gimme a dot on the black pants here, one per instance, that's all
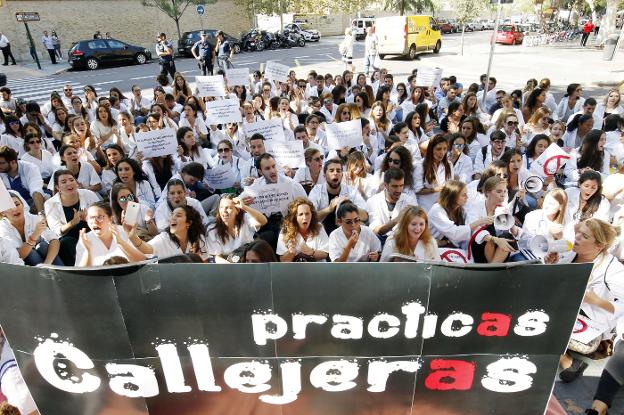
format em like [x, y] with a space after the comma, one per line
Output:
[584, 39]
[205, 66]
[168, 67]
[6, 53]
[52, 53]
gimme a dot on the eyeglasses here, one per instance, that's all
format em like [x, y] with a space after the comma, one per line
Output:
[352, 221]
[328, 101]
[98, 218]
[14, 122]
[394, 161]
[458, 145]
[498, 141]
[124, 199]
[266, 90]
[34, 142]
[224, 150]
[510, 123]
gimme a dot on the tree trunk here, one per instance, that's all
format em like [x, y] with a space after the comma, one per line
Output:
[461, 48]
[177, 22]
[402, 9]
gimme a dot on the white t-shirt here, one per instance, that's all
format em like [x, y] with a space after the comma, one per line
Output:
[99, 252]
[164, 247]
[420, 252]
[319, 242]
[245, 235]
[367, 242]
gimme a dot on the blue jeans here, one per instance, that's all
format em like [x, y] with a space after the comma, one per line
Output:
[369, 61]
[38, 254]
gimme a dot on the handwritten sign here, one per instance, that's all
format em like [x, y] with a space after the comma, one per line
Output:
[6, 201]
[157, 143]
[237, 76]
[270, 129]
[551, 160]
[210, 86]
[223, 111]
[344, 134]
[220, 177]
[270, 198]
[428, 77]
[287, 154]
[276, 71]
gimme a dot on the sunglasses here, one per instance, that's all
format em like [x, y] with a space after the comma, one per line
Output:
[395, 161]
[351, 221]
[318, 159]
[346, 113]
[14, 122]
[124, 199]
[512, 123]
[328, 101]
[458, 145]
[68, 89]
[224, 150]
[34, 142]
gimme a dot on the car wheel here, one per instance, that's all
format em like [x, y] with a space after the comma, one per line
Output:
[260, 46]
[411, 54]
[237, 48]
[140, 58]
[301, 42]
[93, 63]
[438, 46]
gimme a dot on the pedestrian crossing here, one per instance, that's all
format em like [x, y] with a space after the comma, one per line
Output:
[38, 89]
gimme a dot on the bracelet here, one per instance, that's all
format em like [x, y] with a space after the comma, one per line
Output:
[32, 245]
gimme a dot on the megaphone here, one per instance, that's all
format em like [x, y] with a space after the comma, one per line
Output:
[503, 219]
[533, 184]
[540, 246]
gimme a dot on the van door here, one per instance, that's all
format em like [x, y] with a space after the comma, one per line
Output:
[391, 38]
[417, 33]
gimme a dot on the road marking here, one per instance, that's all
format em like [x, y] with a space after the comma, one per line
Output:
[108, 82]
[142, 77]
[331, 57]
[297, 62]
[304, 56]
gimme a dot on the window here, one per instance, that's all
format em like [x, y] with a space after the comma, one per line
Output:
[115, 44]
[97, 44]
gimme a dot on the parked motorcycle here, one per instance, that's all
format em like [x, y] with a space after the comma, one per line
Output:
[297, 39]
[252, 41]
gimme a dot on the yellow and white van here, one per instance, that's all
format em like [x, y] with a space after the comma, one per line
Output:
[407, 35]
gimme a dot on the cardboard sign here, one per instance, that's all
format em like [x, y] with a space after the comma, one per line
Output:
[551, 160]
[210, 86]
[455, 256]
[157, 143]
[237, 76]
[416, 338]
[276, 71]
[427, 77]
[270, 198]
[344, 134]
[223, 111]
[288, 153]
[6, 200]
[220, 177]
[270, 129]
[586, 330]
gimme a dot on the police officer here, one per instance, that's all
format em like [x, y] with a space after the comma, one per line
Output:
[203, 54]
[164, 50]
[224, 52]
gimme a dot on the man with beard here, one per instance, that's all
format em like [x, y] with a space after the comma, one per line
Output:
[329, 195]
[386, 207]
[23, 177]
[248, 171]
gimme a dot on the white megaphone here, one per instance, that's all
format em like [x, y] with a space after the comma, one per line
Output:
[533, 184]
[540, 246]
[503, 219]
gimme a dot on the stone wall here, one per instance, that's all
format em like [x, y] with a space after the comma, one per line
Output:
[127, 20]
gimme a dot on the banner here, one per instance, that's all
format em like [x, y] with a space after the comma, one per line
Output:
[288, 153]
[210, 86]
[6, 201]
[427, 77]
[270, 129]
[223, 111]
[157, 142]
[276, 71]
[286, 338]
[237, 76]
[344, 134]
[551, 160]
[220, 177]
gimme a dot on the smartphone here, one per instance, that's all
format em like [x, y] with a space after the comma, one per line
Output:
[132, 213]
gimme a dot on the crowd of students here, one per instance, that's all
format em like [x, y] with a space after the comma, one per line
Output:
[435, 167]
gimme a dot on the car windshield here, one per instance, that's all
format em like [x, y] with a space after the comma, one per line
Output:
[506, 28]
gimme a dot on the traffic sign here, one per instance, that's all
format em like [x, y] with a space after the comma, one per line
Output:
[200, 9]
[27, 16]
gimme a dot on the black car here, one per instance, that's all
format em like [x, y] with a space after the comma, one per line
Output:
[188, 39]
[93, 53]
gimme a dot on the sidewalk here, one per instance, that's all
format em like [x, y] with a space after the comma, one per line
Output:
[30, 70]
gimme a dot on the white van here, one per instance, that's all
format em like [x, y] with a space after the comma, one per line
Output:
[359, 26]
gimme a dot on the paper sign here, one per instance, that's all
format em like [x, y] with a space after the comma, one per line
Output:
[210, 86]
[6, 201]
[288, 153]
[428, 77]
[157, 143]
[344, 134]
[220, 177]
[270, 129]
[454, 255]
[550, 161]
[276, 71]
[222, 111]
[270, 198]
[237, 76]
[586, 330]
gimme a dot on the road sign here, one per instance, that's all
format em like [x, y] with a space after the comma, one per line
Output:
[200, 9]
[27, 16]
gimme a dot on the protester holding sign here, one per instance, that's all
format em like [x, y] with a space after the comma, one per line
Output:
[227, 159]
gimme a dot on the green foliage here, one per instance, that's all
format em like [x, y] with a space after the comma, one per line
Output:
[174, 8]
[403, 6]
[466, 10]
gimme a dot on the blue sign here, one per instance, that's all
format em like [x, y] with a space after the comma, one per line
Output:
[200, 9]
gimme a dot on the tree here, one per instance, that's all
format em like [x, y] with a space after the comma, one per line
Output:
[402, 6]
[466, 10]
[174, 8]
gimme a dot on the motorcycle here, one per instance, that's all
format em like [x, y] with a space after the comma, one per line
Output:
[251, 41]
[283, 40]
[294, 38]
[269, 39]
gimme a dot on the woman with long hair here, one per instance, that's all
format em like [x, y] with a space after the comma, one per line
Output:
[577, 129]
[126, 133]
[195, 122]
[449, 217]
[586, 201]
[60, 127]
[235, 225]
[535, 100]
[434, 172]
[39, 156]
[412, 237]
[539, 123]
[416, 96]
[536, 148]
[84, 173]
[130, 173]
[104, 128]
[289, 120]
[114, 154]
[509, 123]
[381, 125]
[357, 175]
[473, 132]
[181, 89]
[159, 170]
[77, 109]
[312, 174]
[610, 105]
[519, 198]
[120, 195]
[303, 237]
[470, 105]
[226, 158]
[591, 156]
[188, 150]
[13, 136]
[614, 130]
[507, 106]
[83, 154]
[363, 104]
[571, 103]
[415, 126]
[451, 123]
[459, 158]
[87, 140]
[259, 252]
[397, 157]
[343, 113]
[557, 130]
[551, 221]
[175, 195]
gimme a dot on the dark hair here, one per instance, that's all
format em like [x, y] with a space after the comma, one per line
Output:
[118, 187]
[453, 106]
[406, 163]
[531, 101]
[393, 174]
[408, 121]
[102, 204]
[258, 136]
[299, 129]
[139, 174]
[195, 232]
[398, 127]
[590, 156]
[489, 172]
[261, 248]
[365, 102]
[260, 158]
[577, 121]
[118, 91]
[8, 154]
[451, 138]
[593, 203]
[613, 122]
[380, 92]
[59, 173]
[498, 135]
[194, 169]
[62, 151]
[345, 208]
[530, 151]
[331, 161]
[570, 89]
[180, 137]
[590, 101]
[429, 171]
[13, 119]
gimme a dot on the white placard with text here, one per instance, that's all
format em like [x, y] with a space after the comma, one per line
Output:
[157, 143]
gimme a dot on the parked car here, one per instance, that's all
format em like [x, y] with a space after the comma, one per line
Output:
[476, 25]
[310, 35]
[510, 34]
[489, 24]
[359, 27]
[93, 53]
[188, 39]
[445, 26]
[455, 24]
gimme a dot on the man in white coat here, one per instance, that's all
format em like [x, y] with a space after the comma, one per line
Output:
[385, 207]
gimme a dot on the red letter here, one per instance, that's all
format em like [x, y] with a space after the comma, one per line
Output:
[450, 375]
[494, 324]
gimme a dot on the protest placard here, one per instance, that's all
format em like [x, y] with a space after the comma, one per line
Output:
[223, 111]
[344, 134]
[270, 198]
[6, 201]
[210, 86]
[551, 160]
[157, 142]
[270, 129]
[237, 76]
[220, 177]
[428, 77]
[276, 71]
[287, 153]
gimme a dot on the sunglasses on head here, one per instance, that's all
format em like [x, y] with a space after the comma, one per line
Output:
[328, 101]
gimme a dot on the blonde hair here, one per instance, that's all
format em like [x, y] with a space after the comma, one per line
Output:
[401, 240]
[502, 117]
[538, 115]
[604, 233]
[562, 197]
[348, 31]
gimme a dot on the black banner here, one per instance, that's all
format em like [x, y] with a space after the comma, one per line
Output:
[300, 339]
